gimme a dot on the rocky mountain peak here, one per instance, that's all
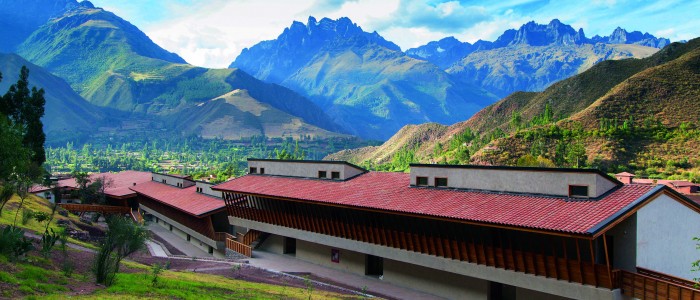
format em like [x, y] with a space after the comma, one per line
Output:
[555, 32]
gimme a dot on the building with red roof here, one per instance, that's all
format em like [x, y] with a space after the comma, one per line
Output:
[474, 232]
[116, 186]
[682, 186]
[188, 208]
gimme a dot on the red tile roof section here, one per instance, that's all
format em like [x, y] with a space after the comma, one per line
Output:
[391, 192]
[186, 200]
[119, 183]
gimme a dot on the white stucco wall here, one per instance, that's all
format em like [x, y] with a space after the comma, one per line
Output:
[206, 189]
[665, 231]
[304, 169]
[172, 180]
[517, 181]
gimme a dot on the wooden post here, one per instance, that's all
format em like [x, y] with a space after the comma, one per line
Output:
[595, 274]
[607, 260]
[580, 263]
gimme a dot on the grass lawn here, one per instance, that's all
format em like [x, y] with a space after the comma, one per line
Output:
[36, 204]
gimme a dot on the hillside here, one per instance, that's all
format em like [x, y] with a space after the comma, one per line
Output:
[237, 115]
[637, 114]
[112, 64]
[18, 19]
[534, 56]
[67, 114]
[364, 82]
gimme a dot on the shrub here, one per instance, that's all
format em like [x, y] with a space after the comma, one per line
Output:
[26, 216]
[123, 238]
[13, 243]
[40, 216]
[48, 241]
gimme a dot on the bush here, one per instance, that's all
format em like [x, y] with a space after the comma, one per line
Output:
[40, 216]
[26, 216]
[48, 241]
[123, 238]
[13, 243]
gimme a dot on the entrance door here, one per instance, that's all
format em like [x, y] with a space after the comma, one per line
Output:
[290, 246]
[374, 265]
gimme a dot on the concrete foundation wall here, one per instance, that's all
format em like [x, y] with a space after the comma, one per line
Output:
[273, 244]
[526, 294]
[665, 231]
[350, 261]
[440, 283]
[182, 231]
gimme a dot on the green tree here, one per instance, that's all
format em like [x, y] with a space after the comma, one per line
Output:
[25, 108]
[123, 238]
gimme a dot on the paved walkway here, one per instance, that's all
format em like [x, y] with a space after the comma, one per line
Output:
[155, 249]
[285, 263]
[178, 242]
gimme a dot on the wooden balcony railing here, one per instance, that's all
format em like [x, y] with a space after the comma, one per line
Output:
[104, 209]
[642, 286]
[239, 247]
[136, 215]
[222, 236]
[249, 237]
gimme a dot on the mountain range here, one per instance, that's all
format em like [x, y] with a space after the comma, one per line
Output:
[388, 88]
[534, 56]
[633, 114]
[114, 66]
[364, 82]
[323, 78]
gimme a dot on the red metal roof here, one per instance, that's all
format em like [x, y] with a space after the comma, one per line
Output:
[118, 184]
[391, 192]
[184, 199]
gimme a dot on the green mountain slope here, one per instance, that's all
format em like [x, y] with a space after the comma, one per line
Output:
[18, 19]
[67, 114]
[111, 63]
[533, 68]
[237, 115]
[364, 82]
[639, 115]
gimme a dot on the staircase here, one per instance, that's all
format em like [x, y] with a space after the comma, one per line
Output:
[245, 243]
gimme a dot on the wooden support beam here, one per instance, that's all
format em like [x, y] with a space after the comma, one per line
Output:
[607, 260]
[595, 274]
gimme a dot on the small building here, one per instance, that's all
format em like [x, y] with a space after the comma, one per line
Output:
[474, 232]
[116, 187]
[188, 208]
[682, 186]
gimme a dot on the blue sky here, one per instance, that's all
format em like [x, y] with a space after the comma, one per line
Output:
[212, 33]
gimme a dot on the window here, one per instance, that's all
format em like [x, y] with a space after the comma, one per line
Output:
[321, 174]
[578, 191]
[440, 182]
[335, 175]
[421, 181]
[253, 170]
[262, 170]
